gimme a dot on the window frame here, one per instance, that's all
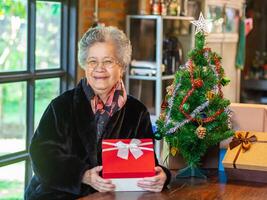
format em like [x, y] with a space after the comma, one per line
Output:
[67, 71]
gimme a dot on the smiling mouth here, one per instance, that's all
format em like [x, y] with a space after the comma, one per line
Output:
[100, 78]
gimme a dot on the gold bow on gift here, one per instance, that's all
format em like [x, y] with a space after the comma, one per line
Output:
[245, 142]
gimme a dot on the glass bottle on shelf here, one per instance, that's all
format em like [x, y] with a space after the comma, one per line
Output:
[174, 8]
[156, 7]
[163, 8]
[144, 7]
[184, 5]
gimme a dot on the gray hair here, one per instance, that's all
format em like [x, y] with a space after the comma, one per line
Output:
[105, 34]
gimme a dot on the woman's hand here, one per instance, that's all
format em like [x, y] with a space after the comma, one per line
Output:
[91, 177]
[155, 183]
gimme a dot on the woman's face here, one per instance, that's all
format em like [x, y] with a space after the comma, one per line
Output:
[103, 70]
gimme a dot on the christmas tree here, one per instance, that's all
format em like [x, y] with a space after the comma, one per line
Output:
[195, 115]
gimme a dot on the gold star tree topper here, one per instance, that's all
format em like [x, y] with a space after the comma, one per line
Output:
[201, 24]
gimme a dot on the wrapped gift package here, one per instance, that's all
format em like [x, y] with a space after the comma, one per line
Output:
[249, 117]
[125, 161]
[246, 157]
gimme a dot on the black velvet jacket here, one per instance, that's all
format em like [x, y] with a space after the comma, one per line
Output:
[65, 145]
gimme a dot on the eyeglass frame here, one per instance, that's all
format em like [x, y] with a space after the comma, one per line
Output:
[103, 65]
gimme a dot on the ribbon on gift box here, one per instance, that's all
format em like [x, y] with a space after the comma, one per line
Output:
[245, 142]
[135, 147]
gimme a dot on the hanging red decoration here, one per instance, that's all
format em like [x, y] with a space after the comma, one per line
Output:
[164, 105]
[197, 84]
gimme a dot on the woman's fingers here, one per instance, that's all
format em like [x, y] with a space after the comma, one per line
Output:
[103, 185]
[98, 169]
[106, 187]
[152, 179]
[93, 179]
[101, 180]
[152, 188]
[149, 183]
[158, 169]
[106, 183]
[154, 183]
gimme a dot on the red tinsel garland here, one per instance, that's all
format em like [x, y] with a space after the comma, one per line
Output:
[218, 67]
[193, 84]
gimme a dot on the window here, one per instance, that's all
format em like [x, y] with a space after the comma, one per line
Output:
[37, 63]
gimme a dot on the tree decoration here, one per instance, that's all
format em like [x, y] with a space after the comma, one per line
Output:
[198, 83]
[210, 95]
[225, 81]
[186, 107]
[201, 24]
[162, 116]
[164, 105]
[196, 115]
[174, 151]
[201, 132]
[158, 136]
[170, 89]
[229, 120]
[205, 69]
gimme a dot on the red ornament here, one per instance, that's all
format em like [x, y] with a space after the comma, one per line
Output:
[198, 83]
[164, 105]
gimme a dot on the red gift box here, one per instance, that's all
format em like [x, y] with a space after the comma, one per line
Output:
[127, 160]
[130, 167]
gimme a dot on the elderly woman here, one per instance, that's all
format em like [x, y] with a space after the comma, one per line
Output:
[66, 148]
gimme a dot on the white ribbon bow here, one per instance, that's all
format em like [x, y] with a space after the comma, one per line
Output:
[135, 147]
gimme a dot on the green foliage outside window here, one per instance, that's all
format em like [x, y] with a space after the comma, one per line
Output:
[13, 58]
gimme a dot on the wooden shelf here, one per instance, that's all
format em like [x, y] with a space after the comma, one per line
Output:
[163, 17]
[151, 78]
[253, 84]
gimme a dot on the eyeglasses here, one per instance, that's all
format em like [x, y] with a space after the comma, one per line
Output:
[106, 63]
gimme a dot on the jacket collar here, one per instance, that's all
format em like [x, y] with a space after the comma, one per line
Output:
[84, 119]
[87, 89]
